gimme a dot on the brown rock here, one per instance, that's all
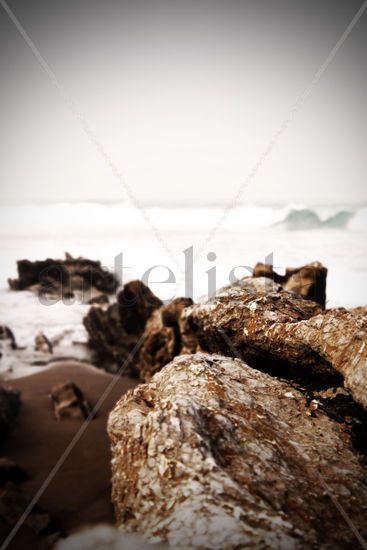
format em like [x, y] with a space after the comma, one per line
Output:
[69, 401]
[62, 277]
[360, 310]
[9, 409]
[212, 454]
[309, 281]
[114, 333]
[42, 343]
[162, 338]
[282, 333]
[98, 299]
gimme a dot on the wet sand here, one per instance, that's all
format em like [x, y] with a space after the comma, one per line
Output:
[79, 494]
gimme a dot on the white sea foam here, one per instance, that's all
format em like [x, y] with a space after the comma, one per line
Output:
[100, 231]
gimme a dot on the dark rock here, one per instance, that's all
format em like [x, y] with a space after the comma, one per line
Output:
[9, 409]
[99, 299]
[6, 335]
[114, 333]
[309, 281]
[136, 303]
[62, 278]
[13, 502]
[213, 454]
[11, 472]
[162, 338]
[69, 401]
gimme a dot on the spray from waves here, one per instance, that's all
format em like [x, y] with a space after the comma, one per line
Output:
[102, 220]
[309, 219]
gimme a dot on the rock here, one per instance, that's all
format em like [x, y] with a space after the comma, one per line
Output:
[6, 335]
[62, 278]
[137, 302]
[338, 337]
[213, 454]
[162, 338]
[266, 270]
[105, 536]
[9, 409]
[11, 472]
[13, 502]
[42, 343]
[114, 333]
[360, 310]
[284, 334]
[98, 299]
[309, 281]
[69, 401]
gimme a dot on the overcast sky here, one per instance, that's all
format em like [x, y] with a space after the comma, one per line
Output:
[184, 96]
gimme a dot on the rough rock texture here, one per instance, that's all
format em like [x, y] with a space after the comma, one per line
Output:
[69, 401]
[162, 338]
[115, 332]
[213, 454]
[309, 281]
[63, 277]
[9, 409]
[360, 310]
[280, 332]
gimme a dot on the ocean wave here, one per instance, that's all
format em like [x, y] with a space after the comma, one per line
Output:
[108, 220]
[309, 219]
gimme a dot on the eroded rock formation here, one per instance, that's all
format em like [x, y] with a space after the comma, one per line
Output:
[162, 338]
[213, 454]
[62, 278]
[280, 332]
[114, 333]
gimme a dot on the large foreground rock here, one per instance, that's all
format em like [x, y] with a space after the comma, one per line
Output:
[280, 332]
[213, 454]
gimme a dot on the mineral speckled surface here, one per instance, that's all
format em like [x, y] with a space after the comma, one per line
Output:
[213, 454]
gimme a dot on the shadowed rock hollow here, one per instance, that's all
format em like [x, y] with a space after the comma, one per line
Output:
[280, 332]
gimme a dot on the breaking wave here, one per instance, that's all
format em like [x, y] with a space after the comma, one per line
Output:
[102, 220]
[309, 219]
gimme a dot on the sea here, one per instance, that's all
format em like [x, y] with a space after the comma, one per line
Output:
[177, 250]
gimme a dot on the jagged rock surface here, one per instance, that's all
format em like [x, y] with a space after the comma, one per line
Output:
[309, 281]
[213, 454]
[162, 338]
[115, 332]
[9, 409]
[280, 332]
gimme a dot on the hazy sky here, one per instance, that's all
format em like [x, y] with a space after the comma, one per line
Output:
[183, 95]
